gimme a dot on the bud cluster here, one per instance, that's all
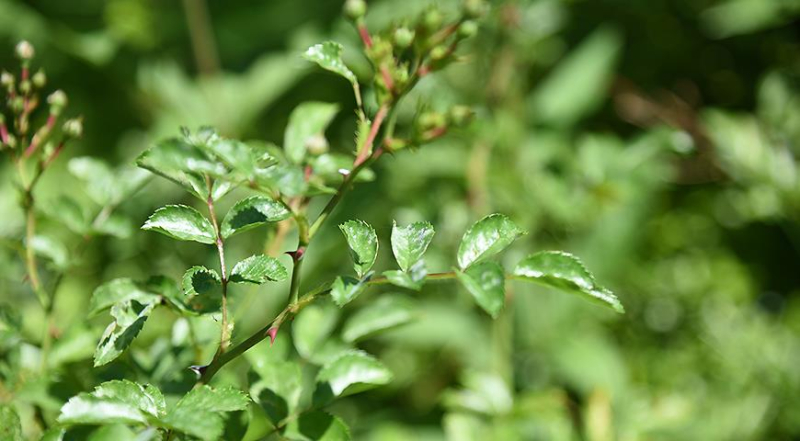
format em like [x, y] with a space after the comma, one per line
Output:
[19, 108]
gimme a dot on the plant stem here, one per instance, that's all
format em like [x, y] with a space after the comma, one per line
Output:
[225, 333]
[202, 36]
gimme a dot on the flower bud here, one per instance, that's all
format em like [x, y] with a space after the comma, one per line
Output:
[439, 53]
[17, 104]
[403, 37]
[25, 50]
[355, 9]
[432, 20]
[25, 87]
[39, 79]
[474, 8]
[48, 149]
[12, 141]
[467, 29]
[73, 128]
[57, 101]
[431, 120]
[460, 115]
[6, 79]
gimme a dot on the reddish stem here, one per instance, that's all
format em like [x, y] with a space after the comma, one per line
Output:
[4, 133]
[373, 132]
[40, 135]
[364, 33]
[387, 79]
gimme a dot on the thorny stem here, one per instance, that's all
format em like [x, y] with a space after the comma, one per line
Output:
[225, 333]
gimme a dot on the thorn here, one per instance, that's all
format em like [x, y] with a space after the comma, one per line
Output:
[297, 254]
[199, 370]
[272, 332]
[344, 171]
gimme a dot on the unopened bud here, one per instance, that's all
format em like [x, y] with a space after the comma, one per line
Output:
[39, 79]
[467, 29]
[355, 9]
[403, 37]
[6, 79]
[432, 20]
[25, 50]
[17, 104]
[439, 53]
[48, 149]
[430, 120]
[25, 87]
[380, 50]
[460, 115]
[57, 101]
[12, 141]
[73, 128]
[474, 8]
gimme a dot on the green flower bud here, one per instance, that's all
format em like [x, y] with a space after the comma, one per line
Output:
[48, 149]
[6, 79]
[403, 37]
[439, 53]
[12, 141]
[57, 101]
[25, 87]
[73, 128]
[468, 29]
[431, 120]
[39, 79]
[432, 20]
[355, 9]
[460, 115]
[24, 50]
[474, 8]
[17, 104]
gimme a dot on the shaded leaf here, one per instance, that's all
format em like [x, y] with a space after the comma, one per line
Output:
[487, 237]
[409, 243]
[485, 281]
[203, 289]
[10, 426]
[317, 426]
[388, 312]
[353, 372]
[567, 273]
[181, 163]
[199, 412]
[312, 326]
[129, 318]
[69, 213]
[412, 279]
[346, 289]
[51, 249]
[307, 121]
[119, 290]
[252, 212]
[328, 55]
[258, 269]
[182, 223]
[278, 389]
[363, 243]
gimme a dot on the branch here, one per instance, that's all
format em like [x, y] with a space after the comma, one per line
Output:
[225, 333]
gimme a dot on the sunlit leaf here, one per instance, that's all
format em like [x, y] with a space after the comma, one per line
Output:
[203, 289]
[182, 223]
[487, 237]
[388, 312]
[353, 372]
[363, 243]
[200, 412]
[252, 212]
[258, 269]
[409, 243]
[306, 121]
[129, 318]
[485, 281]
[117, 401]
[345, 289]
[328, 55]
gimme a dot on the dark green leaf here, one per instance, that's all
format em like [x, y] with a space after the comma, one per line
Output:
[363, 243]
[387, 312]
[114, 402]
[486, 238]
[252, 212]
[308, 120]
[346, 289]
[203, 290]
[182, 223]
[353, 372]
[485, 281]
[199, 412]
[317, 426]
[258, 269]
[566, 272]
[129, 318]
[410, 242]
[10, 426]
[328, 55]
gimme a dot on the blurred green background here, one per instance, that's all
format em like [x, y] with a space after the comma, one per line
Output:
[657, 140]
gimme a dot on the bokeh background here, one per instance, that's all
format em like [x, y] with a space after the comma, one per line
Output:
[657, 140]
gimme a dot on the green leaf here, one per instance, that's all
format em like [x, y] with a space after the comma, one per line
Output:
[199, 412]
[235, 154]
[278, 389]
[10, 426]
[288, 179]
[252, 212]
[312, 327]
[353, 372]
[68, 212]
[317, 426]
[363, 243]
[487, 237]
[307, 121]
[409, 243]
[104, 185]
[119, 290]
[52, 249]
[203, 290]
[258, 269]
[345, 289]
[485, 281]
[129, 317]
[181, 163]
[182, 223]
[565, 272]
[114, 225]
[328, 55]
[388, 312]
[117, 401]
[412, 279]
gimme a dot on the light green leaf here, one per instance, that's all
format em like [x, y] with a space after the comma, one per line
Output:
[487, 237]
[328, 55]
[252, 212]
[345, 289]
[258, 269]
[114, 402]
[363, 243]
[288, 179]
[182, 223]
[114, 225]
[10, 426]
[312, 327]
[51, 249]
[485, 281]
[113, 432]
[317, 426]
[119, 290]
[235, 154]
[409, 243]
[278, 389]
[68, 212]
[353, 372]
[199, 413]
[181, 163]
[306, 121]
[566, 272]
[129, 317]
[203, 290]
[390, 311]
[104, 185]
